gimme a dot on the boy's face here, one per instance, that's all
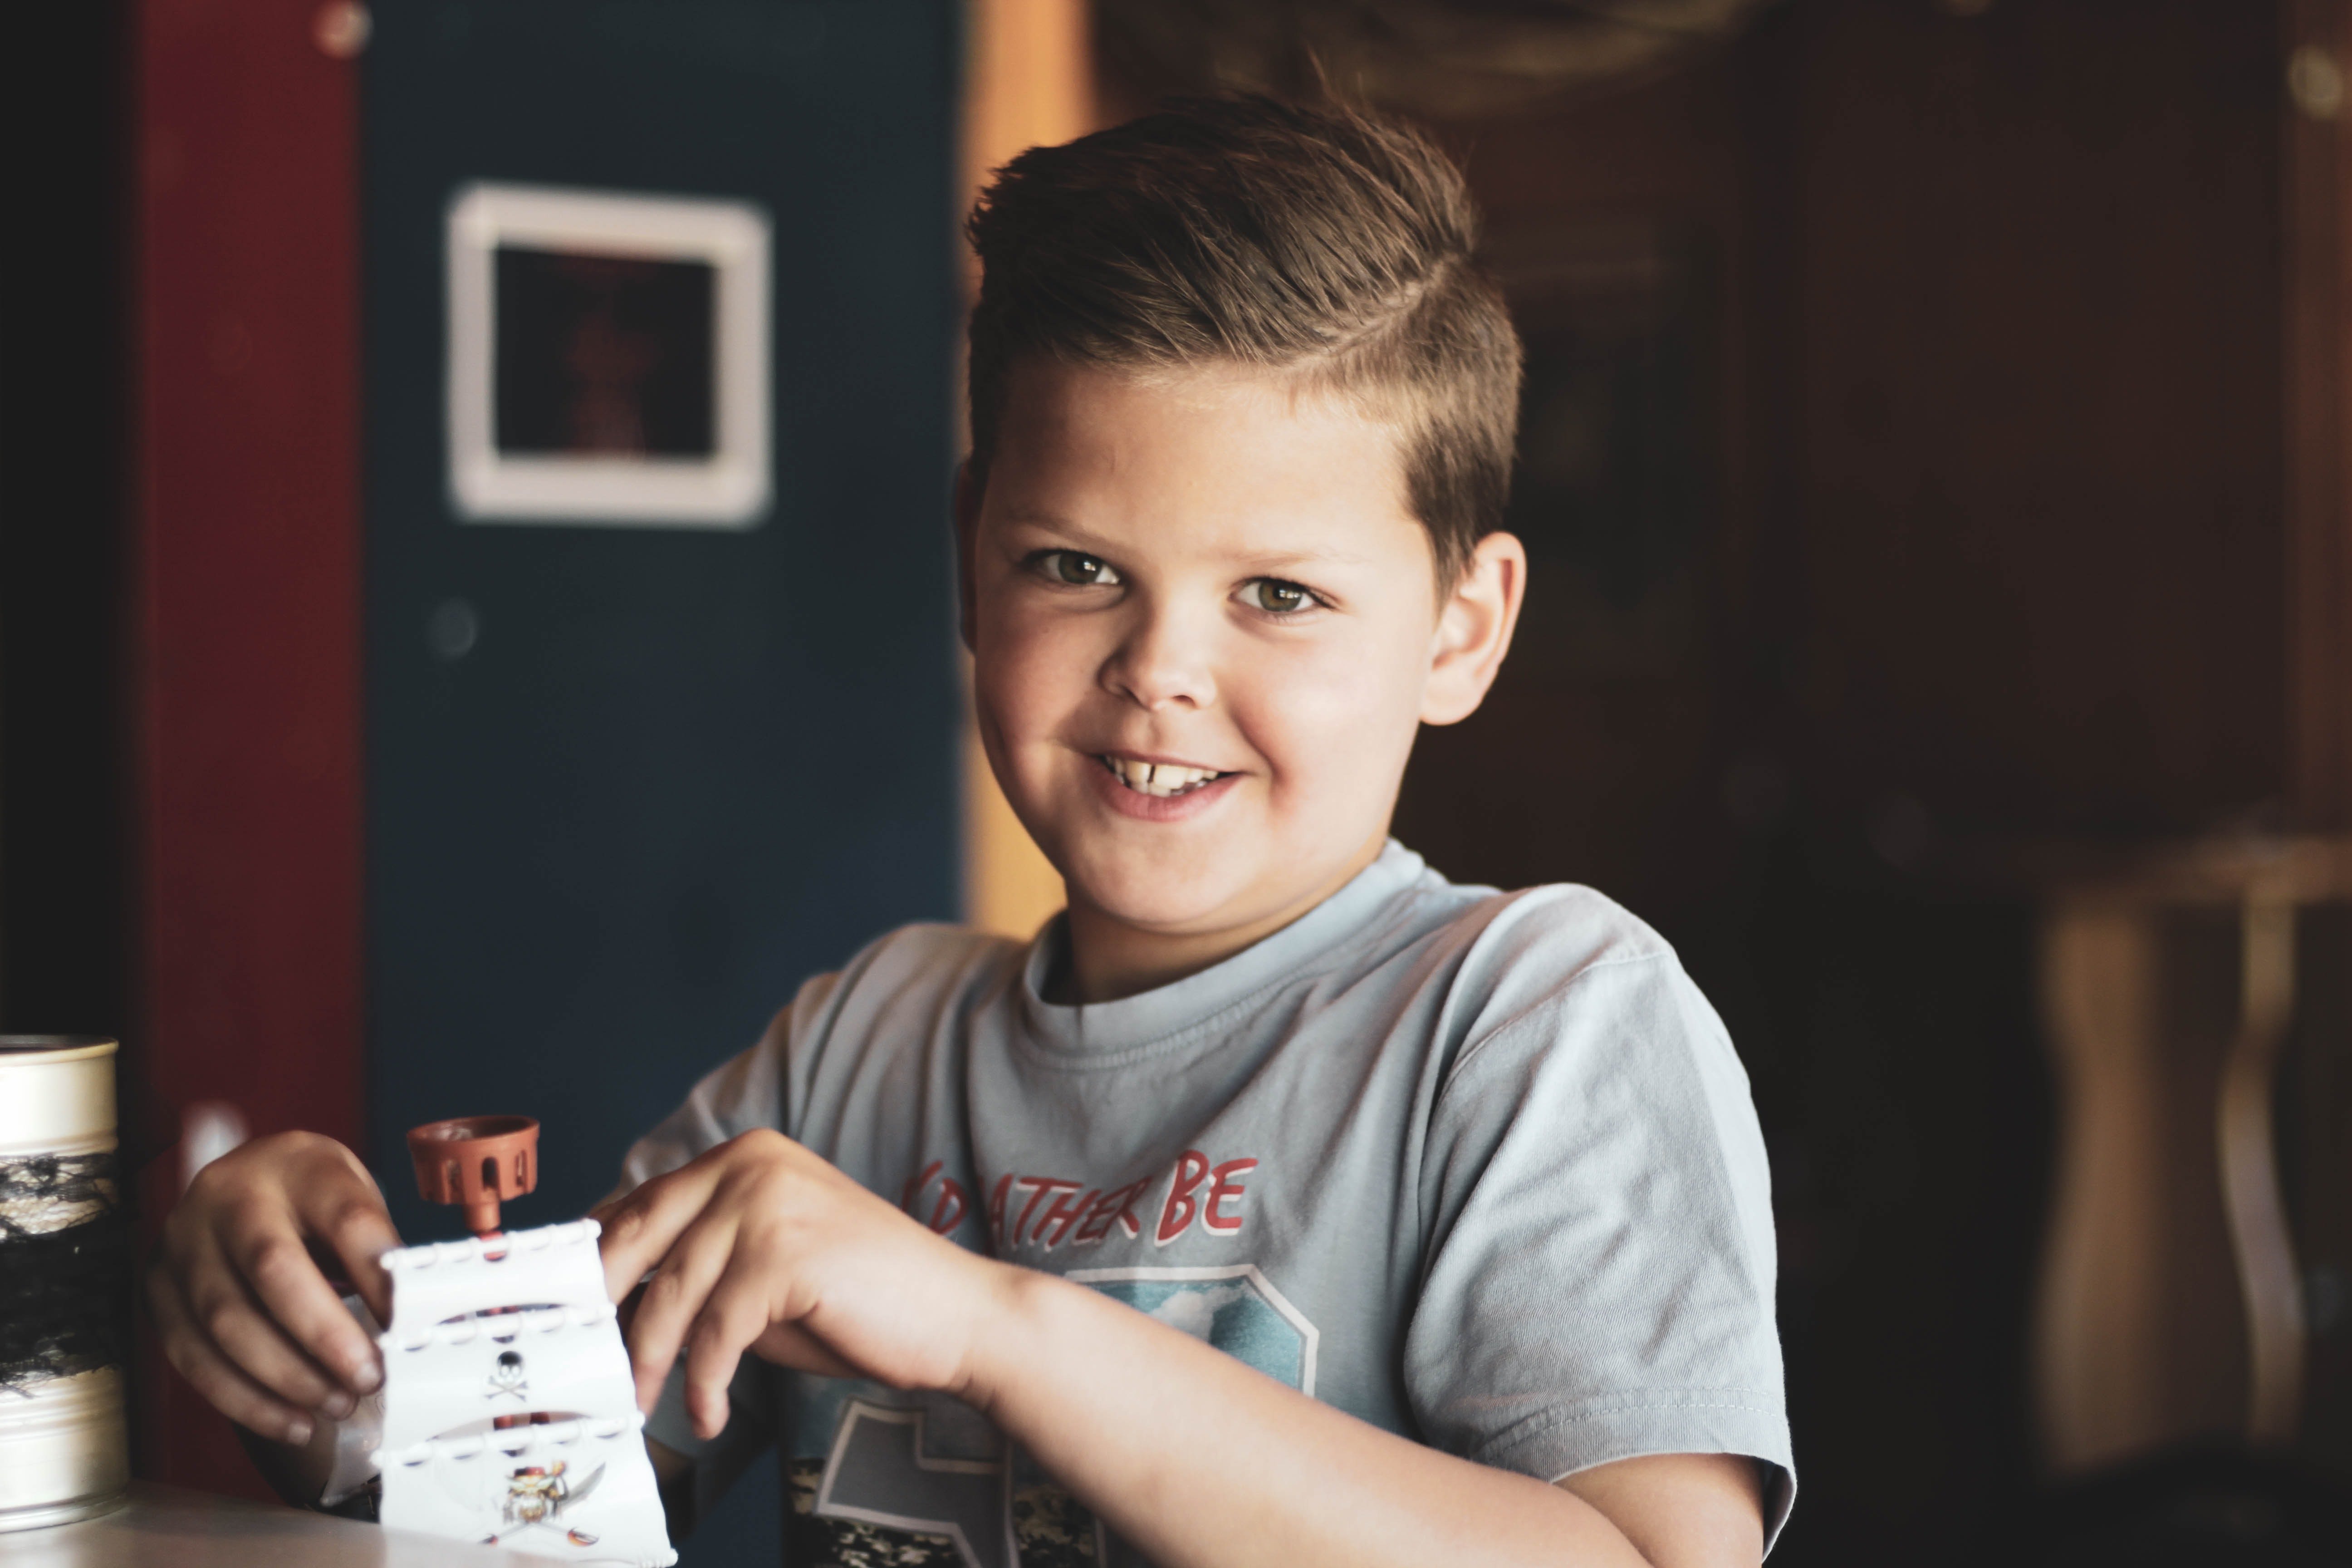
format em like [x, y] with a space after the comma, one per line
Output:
[1206, 576]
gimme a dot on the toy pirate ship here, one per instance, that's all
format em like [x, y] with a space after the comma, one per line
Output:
[509, 1413]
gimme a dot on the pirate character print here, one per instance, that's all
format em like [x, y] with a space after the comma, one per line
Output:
[537, 1495]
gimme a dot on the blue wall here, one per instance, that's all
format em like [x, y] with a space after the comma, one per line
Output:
[677, 770]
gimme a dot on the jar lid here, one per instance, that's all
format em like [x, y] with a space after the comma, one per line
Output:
[57, 1093]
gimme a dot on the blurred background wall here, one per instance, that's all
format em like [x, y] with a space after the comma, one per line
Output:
[1933, 471]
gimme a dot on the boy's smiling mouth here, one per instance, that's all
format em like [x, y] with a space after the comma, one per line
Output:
[1160, 780]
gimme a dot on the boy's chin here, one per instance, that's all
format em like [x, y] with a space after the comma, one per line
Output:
[1174, 899]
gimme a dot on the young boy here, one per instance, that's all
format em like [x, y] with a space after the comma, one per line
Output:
[1281, 1202]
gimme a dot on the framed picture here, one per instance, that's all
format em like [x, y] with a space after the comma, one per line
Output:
[608, 358]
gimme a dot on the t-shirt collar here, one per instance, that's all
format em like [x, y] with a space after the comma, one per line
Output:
[1166, 1012]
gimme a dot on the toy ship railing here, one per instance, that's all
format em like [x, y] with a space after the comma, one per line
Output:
[529, 1321]
[404, 1260]
[561, 1439]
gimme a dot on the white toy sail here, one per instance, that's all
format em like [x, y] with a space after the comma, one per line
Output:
[517, 1327]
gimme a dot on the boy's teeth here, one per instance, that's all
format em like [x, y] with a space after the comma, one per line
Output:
[1159, 778]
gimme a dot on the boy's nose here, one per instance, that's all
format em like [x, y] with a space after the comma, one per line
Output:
[1163, 664]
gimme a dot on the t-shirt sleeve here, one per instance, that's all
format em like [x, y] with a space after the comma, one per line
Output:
[1598, 1259]
[743, 1093]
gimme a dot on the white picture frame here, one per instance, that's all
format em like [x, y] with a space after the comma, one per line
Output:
[730, 489]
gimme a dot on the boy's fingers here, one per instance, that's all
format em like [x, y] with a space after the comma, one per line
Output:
[241, 1330]
[639, 1229]
[299, 1304]
[673, 1299]
[735, 1315]
[351, 1219]
[228, 1390]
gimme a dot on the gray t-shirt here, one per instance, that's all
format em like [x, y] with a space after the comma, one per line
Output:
[1479, 1168]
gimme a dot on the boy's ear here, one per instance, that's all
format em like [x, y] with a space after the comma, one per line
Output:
[967, 520]
[1474, 629]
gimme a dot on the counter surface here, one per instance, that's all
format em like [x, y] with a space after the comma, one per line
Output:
[165, 1527]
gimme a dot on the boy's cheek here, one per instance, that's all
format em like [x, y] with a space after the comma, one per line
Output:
[1030, 675]
[1349, 705]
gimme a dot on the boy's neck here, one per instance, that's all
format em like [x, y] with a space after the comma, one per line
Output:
[1109, 959]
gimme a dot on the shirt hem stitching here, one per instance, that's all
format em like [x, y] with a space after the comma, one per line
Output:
[1535, 1017]
[1535, 1426]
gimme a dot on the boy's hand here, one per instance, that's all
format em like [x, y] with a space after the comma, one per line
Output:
[247, 1314]
[763, 1245]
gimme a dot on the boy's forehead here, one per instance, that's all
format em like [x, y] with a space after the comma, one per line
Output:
[1241, 456]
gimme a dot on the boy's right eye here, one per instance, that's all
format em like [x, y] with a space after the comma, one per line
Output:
[1079, 571]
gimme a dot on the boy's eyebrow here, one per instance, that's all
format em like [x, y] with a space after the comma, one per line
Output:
[1309, 558]
[1052, 525]
[1270, 561]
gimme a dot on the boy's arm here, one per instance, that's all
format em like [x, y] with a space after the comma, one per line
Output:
[1197, 1459]
[1191, 1455]
[1681, 1509]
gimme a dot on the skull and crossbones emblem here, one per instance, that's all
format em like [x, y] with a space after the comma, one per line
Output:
[505, 1377]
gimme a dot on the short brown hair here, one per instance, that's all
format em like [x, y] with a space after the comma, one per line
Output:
[1321, 241]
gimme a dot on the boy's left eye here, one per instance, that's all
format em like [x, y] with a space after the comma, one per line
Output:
[1077, 569]
[1277, 596]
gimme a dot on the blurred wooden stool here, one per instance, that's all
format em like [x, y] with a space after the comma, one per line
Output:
[2169, 1306]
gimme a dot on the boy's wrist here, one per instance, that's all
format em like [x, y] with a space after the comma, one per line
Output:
[1016, 1304]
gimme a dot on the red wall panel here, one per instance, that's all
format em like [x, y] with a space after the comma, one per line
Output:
[245, 594]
